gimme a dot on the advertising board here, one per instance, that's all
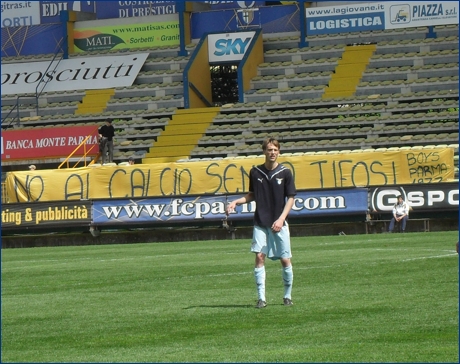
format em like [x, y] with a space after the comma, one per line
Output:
[82, 73]
[45, 215]
[212, 208]
[48, 142]
[131, 36]
[422, 197]
[20, 13]
[361, 16]
[227, 47]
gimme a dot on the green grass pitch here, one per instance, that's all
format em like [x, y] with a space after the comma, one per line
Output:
[360, 298]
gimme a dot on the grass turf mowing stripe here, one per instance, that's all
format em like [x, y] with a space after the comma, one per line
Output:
[360, 298]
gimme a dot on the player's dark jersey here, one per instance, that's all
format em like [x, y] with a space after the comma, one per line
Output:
[270, 190]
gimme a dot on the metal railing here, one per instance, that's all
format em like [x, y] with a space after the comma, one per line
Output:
[4, 193]
[200, 95]
[38, 92]
[83, 157]
[42, 79]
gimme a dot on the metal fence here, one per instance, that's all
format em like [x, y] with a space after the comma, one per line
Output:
[4, 194]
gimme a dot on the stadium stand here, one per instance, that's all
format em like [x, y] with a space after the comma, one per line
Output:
[406, 97]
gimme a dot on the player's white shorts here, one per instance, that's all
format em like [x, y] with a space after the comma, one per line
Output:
[273, 245]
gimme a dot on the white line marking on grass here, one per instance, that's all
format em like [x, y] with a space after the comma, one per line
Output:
[418, 249]
[431, 257]
[336, 243]
[228, 274]
[393, 249]
[452, 253]
[76, 260]
[322, 266]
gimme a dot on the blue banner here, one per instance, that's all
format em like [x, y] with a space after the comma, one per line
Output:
[345, 23]
[330, 202]
[212, 208]
[272, 19]
[34, 39]
[50, 10]
[160, 210]
[133, 9]
[217, 5]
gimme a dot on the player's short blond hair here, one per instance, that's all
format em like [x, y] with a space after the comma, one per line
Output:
[270, 140]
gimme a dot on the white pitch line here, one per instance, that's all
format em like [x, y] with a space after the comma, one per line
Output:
[76, 260]
[66, 261]
[431, 257]
[228, 274]
[332, 266]
[421, 249]
[321, 266]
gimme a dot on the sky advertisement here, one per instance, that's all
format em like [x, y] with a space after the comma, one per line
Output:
[226, 47]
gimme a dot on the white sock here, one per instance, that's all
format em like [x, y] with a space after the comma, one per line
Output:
[288, 277]
[259, 275]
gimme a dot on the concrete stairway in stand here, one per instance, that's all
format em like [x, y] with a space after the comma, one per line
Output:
[181, 135]
[349, 71]
[95, 101]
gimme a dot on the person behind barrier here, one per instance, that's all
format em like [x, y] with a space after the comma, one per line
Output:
[400, 214]
[106, 139]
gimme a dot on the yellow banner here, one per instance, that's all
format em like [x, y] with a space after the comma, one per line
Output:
[127, 36]
[230, 175]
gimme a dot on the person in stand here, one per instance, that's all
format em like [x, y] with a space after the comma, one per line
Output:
[106, 137]
[131, 161]
[372, 216]
[400, 214]
[271, 186]
[32, 167]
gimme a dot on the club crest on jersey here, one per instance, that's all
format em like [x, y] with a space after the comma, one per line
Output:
[279, 180]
